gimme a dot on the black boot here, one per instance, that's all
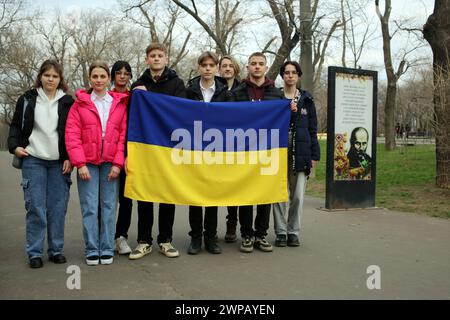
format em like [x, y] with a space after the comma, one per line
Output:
[195, 246]
[211, 245]
[230, 235]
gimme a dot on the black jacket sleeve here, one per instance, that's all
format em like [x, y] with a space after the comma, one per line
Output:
[15, 128]
[312, 128]
[180, 89]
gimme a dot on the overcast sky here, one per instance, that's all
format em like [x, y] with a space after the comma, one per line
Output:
[419, 10]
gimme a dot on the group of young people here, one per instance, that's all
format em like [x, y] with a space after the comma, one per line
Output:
[53, 133]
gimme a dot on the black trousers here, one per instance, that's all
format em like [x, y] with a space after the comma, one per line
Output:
[166, 218]
[261, 221]
[196, 222]
[232, 215]
[125, 207]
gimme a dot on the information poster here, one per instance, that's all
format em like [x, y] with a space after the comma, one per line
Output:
[353, 127]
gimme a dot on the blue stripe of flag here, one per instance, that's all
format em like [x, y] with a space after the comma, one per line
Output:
[154, 117]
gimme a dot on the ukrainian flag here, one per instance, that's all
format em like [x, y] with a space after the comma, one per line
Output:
[206, 154]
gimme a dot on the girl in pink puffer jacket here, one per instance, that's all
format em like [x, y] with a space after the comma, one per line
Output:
[95, 141]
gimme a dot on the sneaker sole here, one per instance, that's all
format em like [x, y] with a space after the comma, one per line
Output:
[124, 252]
[294, 245]
[263, 249]
[138, 257]
[170, 255]
[246, 250]
[92, 262]
[106, 261]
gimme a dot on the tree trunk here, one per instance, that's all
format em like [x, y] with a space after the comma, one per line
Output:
[389, 116]
[389, 106]
[437, 32]
[306, 45]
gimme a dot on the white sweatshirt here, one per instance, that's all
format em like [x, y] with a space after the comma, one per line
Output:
[44, 137]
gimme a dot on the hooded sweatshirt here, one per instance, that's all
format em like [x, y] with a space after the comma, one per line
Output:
[44, 137]
[256, 92]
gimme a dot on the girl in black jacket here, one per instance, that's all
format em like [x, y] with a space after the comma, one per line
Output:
[36, 135]
[304, 153]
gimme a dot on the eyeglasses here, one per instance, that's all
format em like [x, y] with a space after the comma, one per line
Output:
[290, 72]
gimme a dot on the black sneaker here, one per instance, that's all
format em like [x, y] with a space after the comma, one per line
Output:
[212, 246]
[58, 258]
[263, 245]
[36, 263]
[281, 240]
[247, 244]
[195, 246]
[230, 235]
[292, 240]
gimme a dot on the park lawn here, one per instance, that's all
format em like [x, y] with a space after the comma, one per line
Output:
[405, 180]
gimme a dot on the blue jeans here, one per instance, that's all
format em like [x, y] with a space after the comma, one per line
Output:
[46, 194]
[98, 243]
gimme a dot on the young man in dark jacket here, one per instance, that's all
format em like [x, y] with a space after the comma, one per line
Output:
[160, 79]
[208, 88]
[256, 87]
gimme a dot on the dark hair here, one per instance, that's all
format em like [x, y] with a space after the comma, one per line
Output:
[208, 55]
[47, 65]
[293, 63]
[117, 66]
[353, 134]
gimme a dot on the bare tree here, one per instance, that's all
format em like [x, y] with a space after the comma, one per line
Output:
[392, 75]
[146, 13]
[320, 49]
[56, 36]
[437, 32]
[223, 28]
[290, 31]
[93, 38]
[306, 52]
[18, 67]
[358, 34]
[11, 13]
[19, 56]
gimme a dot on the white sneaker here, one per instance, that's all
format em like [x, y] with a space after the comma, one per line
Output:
[122, 246]
[141, 250]
[168, 250]
[106, 259]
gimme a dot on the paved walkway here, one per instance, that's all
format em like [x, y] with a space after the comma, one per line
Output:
[412, 252]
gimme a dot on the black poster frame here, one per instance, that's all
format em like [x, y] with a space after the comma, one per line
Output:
[345, 194]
